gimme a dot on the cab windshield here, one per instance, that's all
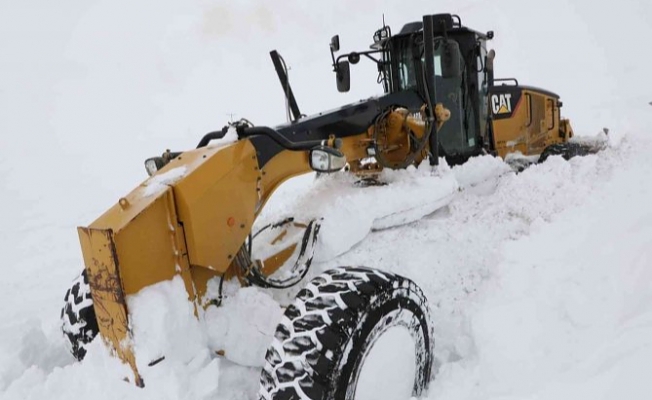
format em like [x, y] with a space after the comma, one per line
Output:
[408, 71]
[454, 135]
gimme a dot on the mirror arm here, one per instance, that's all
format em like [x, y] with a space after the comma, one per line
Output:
[334, 46]
[371, 58]
[362, 53]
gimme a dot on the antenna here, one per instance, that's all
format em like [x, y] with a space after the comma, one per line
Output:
[384, 20]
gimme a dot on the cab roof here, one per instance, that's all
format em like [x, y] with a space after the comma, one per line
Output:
[455, 26]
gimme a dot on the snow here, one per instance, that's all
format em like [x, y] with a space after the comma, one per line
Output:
[406, 197]
[244, 325]
[231, 136]
[574, 295]
[160, 182]
[394, 347]
[164, 325]
[539, 282]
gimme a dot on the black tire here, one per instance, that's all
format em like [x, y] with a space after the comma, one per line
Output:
[566, 150]
[78, 321]
[323, 338]
[519, 164]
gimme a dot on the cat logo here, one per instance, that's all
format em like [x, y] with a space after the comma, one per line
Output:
[501, 103]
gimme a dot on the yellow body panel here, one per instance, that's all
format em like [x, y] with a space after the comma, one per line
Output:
[279, 169]
[216, 202]
[534, 124]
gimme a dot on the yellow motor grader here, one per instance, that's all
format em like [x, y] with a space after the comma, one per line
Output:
[193, 218]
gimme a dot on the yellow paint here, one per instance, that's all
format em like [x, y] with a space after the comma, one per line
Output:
[534, 125]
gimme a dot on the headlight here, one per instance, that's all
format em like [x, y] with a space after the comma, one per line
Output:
[153, 164]
[326, 159]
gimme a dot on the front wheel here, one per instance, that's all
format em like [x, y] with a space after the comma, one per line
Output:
[78, 321]
[352, 333]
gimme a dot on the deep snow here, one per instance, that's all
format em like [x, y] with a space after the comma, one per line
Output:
[567, 311]
[540, 282]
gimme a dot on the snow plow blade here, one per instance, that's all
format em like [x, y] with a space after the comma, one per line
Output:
[167, 227]
[108, 296]
[133, 245]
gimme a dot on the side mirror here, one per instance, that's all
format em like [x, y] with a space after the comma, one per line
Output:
[450, 60]
[326, 159]
[343, 76]
[335, 43]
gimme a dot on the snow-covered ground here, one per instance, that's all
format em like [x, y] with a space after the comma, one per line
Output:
[540, 283]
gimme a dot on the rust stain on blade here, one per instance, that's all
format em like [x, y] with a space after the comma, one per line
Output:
[102, 267]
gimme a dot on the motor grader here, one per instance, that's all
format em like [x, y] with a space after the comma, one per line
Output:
[193, 218]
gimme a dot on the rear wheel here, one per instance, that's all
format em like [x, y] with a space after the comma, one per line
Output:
[567, 150]
[78, 321]
[352, 333]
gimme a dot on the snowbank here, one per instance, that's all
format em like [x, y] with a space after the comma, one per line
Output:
[567, 314]
[539, 281]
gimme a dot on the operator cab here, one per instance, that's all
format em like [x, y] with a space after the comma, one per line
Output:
[464, 93]
[461, 88]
